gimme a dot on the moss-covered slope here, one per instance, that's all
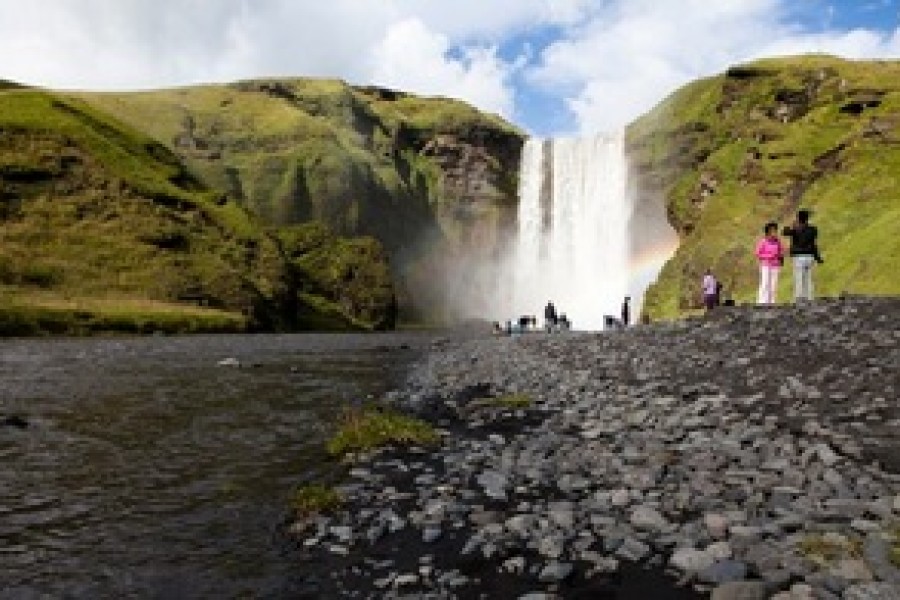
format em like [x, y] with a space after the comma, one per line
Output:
[427, 177]
[104, 228]
[756, 143]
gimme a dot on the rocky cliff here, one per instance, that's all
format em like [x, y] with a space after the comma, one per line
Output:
[729, 153]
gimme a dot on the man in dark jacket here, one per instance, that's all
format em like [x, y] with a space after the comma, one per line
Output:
[803, 251]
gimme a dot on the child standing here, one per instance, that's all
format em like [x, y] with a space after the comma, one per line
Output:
[710, 289]
[770, 253]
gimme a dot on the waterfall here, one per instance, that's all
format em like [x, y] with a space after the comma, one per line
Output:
[574, 243]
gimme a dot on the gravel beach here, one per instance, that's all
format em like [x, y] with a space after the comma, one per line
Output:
[750, 453]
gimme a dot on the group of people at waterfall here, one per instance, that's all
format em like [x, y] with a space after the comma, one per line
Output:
[553, 321]
[770, 252]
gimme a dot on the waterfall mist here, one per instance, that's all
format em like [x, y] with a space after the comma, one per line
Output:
[584, 237]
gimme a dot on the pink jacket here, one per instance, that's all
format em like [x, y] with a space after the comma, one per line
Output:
[769, 252]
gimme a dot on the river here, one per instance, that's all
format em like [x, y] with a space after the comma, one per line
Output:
[149, 471]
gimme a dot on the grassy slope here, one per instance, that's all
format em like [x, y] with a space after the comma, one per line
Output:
[103, 228]
[364, 161]
[299, 149]
[734, 151]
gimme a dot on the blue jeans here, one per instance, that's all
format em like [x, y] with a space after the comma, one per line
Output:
[803, 285]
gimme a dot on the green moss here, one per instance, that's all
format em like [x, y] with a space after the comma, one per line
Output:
[827, 548]
[366, 429]
[315, 499]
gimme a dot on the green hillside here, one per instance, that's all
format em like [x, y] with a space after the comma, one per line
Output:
[758, 142]
[103, 228]
[428, 177]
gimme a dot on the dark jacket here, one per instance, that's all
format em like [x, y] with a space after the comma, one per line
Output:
[803, 240]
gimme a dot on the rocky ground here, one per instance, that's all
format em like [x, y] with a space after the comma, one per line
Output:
[752, 453]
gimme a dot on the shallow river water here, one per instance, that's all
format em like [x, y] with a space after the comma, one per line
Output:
[148, 471]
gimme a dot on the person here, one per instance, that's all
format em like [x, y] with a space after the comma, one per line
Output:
[709, 286]
[803, 250]
[626, 311]
[550, 317]
[564, 323]
[497, 330]
[770, 253]
[524, 321]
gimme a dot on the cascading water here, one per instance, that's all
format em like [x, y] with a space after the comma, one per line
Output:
[574, 243]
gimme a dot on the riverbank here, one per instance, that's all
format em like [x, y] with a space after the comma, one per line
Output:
[749, 453]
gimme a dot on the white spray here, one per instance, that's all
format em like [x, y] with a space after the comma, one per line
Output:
[573, 229]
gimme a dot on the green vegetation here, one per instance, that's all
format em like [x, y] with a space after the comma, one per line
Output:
[894, 556]
[826, 548]
[731, 152]
[102, 228]
[315, 499]
[370, 428]
[344, 276]
[364, 161]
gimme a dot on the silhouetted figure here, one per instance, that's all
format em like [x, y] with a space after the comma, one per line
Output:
[564, 322]
[626, 311]
[550, 318]
[803, 250]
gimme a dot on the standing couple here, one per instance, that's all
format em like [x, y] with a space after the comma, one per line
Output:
[803, 250]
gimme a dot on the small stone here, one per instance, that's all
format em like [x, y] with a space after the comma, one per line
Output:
[740, 590]
[691, 560]
[647, 518]
[872, 591]
[407, 579]
[514, 565]
[716, 525]
[555, 571]
[723, 571]
[431, 534]
[620, 498]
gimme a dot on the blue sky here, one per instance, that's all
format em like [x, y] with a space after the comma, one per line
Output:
[555, 67]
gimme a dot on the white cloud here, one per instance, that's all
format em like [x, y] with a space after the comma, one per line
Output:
[610, 59]
[412, 57]
[624, 59]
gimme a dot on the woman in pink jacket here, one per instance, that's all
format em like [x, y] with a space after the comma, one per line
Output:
[770, 253]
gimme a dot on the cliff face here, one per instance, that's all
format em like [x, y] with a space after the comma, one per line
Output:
[432, 179]
[729, 153]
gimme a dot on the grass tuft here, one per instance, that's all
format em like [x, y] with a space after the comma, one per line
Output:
[315, 499]
[365, 429]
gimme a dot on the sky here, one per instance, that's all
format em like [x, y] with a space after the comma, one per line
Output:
[554, 67]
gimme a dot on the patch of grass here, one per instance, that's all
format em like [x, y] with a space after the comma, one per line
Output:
[826, 548]
[49, 316]
[894, 552]
[362, 430]
[315, 499]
